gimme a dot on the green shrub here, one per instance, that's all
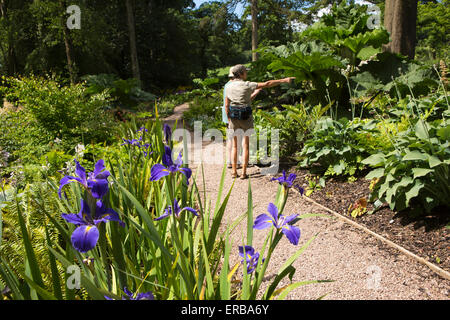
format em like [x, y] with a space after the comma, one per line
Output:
[416, 173]
[66, 112]
[338, 147]
[206, 109]
[22, 137]
[294, 122]
[126, 93]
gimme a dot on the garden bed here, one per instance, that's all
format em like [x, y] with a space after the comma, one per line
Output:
[426, 236]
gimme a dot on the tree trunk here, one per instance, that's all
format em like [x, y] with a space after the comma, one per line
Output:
[132, 37]
[68, 44]
[400, 21]
[9, 53]
[254, 10]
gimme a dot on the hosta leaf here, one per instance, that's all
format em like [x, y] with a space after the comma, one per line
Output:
[377, 173]
[414, 191]
[390, 178]
[444, 133]
[405, 181]
[433, 161]
[374, 160]
[339, 168]
[420, 172]
[383, 189]
[415, 155]
[421, 130]
[390, 192]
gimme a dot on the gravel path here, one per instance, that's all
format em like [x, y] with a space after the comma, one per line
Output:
[351, 258]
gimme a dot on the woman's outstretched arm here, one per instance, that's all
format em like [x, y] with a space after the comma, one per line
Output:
[273, 83]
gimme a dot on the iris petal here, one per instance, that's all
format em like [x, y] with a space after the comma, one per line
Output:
[179, 161]
[263, 221]
[248, 250]
[176, 207]
[292, 233]
[167, 156]
[192, 210]
[67, 180]
[158, 171]
[80, 172]
[85, 238]
[76, 219]
[99, 187]
[289, 219]
[100, 171]
[273, 210]
[103, 214]
[166, 213]
[187, 172]
[167, 132]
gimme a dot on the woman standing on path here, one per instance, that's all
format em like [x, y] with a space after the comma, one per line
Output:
[229, 144]
[238, 96]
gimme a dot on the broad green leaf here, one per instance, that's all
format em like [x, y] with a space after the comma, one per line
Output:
[377, 173]
[383, 189]
[420, 172]
[414, 191]
[433, 161]
[374, 160]
[405, 181]
[444, 133]
[421, 130]
[414, 155]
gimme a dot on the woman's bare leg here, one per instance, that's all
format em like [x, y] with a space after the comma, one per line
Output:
[234, 156]
[229, 150]
[246, 142]
[240, 147]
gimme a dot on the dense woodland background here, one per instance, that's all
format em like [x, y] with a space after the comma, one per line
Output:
[167, 43]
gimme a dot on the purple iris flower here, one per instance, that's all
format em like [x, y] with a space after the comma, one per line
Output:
[85, 236]
[142, 129]
[250, 257]
[159, 171]
[264, 221]
[137, 143]
[167, 132]
[289, 181]
[147, 153]
[133, 142]
[139, 296]
[96, 181]
[175, 210]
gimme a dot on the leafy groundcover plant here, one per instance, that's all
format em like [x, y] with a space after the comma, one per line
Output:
[416, 173]
[142, 230]
[337, 147]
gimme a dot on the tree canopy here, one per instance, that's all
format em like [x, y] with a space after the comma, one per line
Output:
[175, 41]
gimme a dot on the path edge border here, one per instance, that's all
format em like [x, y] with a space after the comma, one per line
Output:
[441, 272]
